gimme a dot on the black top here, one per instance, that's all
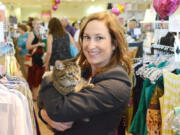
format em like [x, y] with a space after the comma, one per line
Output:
[60, 49]
[36, 40]
[103, 105]
[37, 56]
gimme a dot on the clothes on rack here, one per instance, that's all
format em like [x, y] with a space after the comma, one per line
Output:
[149, 117]
[170, 99]
[16, 104]
[17, 84]
[153, 118]
[6, 48]
[14, 113]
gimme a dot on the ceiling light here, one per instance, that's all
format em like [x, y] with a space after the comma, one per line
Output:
[93, 9]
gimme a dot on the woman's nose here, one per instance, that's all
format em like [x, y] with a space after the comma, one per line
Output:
[91, 44]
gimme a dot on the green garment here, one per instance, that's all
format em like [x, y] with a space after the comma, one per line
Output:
[138, 125]
[177, 109]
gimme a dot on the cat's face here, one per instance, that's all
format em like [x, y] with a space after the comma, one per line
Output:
[68, 73]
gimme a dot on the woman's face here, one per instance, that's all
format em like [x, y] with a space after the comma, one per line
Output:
[19, 30]
[97, 45]
[37, 25]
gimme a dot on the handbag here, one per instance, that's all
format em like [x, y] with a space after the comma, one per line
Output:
[28, 59]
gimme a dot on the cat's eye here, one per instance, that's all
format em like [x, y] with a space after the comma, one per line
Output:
[70, 73]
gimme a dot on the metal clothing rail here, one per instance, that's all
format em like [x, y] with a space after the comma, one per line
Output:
[163, 48]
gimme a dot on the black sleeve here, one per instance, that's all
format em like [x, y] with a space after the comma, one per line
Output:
[106, 96]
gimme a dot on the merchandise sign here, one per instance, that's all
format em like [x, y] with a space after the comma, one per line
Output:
[46, 15]
[174, 23]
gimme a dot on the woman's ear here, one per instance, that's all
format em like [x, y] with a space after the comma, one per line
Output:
[59, 65]
[113, 47]
[114, 44]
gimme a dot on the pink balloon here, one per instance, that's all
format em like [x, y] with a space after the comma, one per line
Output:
[165, 7]
[57, 1]
[54, 7]
[115, 11]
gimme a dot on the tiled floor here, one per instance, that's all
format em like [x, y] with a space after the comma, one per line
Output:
[43, 128]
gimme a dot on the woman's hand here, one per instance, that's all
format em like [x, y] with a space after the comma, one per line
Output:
[46, 67]
[41, 44]
[60, 126]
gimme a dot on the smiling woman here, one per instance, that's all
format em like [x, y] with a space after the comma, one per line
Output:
[104, 62]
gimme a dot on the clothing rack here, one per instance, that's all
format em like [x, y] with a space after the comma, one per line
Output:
[153, 73]
[162, 48]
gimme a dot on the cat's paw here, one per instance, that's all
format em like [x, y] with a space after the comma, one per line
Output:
[48, 73]
[90, 85]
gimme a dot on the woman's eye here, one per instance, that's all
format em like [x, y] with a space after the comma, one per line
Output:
[86, 37]
[99, 38]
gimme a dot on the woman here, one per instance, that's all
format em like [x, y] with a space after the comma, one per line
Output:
[35, 47]
[104, 54]
[58, 43]
[21, 47]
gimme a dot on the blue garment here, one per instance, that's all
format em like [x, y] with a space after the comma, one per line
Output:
[22, 40]
[132, 33]
[73, 51]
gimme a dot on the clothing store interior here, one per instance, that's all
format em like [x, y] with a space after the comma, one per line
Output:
[89, 67]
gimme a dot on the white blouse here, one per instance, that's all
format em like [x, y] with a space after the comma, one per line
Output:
[14, 113]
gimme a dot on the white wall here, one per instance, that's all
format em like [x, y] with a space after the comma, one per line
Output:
[72, 11]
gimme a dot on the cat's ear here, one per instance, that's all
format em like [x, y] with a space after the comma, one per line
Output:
[59, 65]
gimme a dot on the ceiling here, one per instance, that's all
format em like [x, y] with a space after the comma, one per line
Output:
[48, 3]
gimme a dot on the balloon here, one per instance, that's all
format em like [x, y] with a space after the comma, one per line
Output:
[55, 7]
[53, 2]
[115, 11]
[165, 7]
[57, 1]
[121, 8]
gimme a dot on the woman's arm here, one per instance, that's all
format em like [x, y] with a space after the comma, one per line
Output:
[49, 51]
[29, 45]
[73, 47]
[72, 42]
[107, 95]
